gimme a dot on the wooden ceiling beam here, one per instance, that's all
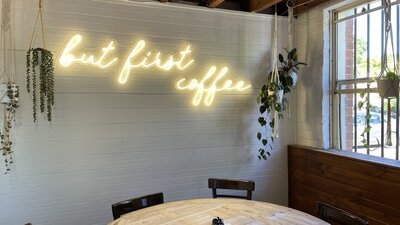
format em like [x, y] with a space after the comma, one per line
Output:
[259, 5]
[214, 3]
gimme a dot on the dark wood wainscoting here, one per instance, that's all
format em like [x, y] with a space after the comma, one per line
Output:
[364, 185]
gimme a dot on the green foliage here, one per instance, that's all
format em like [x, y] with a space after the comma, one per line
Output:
[40, 60]
[9, 119]
[391, 76]
[269, 99]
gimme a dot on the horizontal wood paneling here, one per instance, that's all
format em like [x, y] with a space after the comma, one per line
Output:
[358, 184]
[108, 143]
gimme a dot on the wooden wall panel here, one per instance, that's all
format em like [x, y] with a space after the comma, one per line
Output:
[364, 185]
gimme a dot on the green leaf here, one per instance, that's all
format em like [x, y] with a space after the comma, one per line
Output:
[264, 141]
[360, 104]
[264, 157]
[262, 109]
[280, 58]
[291, 54]
[259, 136]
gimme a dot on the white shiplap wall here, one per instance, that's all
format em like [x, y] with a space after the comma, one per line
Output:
[109, 143]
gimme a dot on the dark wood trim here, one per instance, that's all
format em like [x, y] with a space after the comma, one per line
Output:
[259, 5]
[214, 3]
[365, 185]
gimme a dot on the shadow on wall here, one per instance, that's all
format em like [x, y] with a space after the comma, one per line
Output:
[310, 91]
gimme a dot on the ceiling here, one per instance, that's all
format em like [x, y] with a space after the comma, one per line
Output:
[258, 6]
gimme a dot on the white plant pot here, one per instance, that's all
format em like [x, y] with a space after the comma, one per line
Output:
[279, 96]
[294, 77]
[3, 94]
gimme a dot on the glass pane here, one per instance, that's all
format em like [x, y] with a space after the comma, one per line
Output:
[345, 50]
[361, 8]
[361, 46]
[375, 46]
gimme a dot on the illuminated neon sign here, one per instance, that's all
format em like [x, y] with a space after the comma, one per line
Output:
[204, 89]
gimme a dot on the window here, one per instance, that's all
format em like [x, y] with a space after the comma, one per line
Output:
[358, 45]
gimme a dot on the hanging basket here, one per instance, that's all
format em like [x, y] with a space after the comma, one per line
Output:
[388, 88]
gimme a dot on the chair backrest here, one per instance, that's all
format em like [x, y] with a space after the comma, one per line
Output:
[335, 215]
[131, 205]
[247, 185]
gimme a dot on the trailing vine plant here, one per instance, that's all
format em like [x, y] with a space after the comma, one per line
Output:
[272, 99]
[9, 97]
[11, 104]
[40, 73]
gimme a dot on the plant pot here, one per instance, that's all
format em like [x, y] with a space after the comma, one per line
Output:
[388, 88]
[294, 77]
[279, 96]
[277, 93]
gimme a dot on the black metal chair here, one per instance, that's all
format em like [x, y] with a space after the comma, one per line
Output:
[134, 204]
[335, 215]
[247, 185]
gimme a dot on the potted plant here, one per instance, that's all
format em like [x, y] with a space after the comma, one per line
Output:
[272, 101]
[388, 85]
[40, 72]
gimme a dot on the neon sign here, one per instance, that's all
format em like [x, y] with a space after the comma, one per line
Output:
[204, 89]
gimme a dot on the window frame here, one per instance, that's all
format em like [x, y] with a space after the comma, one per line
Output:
[336, 92]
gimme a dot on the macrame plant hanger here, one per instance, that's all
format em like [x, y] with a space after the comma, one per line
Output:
[388, 34]
[9, 89]
[40, 64]
[290, 6]
[275, 74]
[39, 19]
[8, 70]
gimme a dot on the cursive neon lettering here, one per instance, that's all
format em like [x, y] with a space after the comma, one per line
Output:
[204, 89]
[168, 64]
[208, 93]
[67, 58]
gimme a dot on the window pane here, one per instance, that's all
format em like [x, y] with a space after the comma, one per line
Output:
[359, 54]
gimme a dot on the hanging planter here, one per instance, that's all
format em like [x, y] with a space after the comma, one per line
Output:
[40, 73]
[271, 100]
[293, 75]
[9, 90]
[388, 87]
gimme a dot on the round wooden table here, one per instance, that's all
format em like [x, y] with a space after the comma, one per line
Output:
[232, 211]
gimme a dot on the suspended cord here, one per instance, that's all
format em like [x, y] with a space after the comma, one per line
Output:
[6, 42]
[39, 16]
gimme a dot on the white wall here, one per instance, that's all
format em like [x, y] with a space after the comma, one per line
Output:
[312, 93]
[109, 143]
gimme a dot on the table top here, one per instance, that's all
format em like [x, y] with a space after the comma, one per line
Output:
[203, 211]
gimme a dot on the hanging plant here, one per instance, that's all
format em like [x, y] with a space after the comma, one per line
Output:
[9, 91]
[272, 101]
[11, 102]
[40, 73]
